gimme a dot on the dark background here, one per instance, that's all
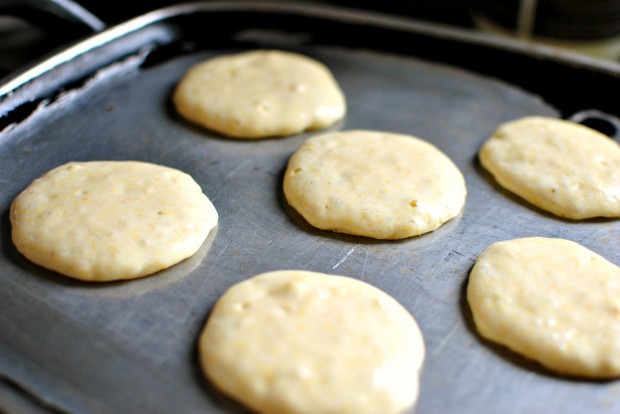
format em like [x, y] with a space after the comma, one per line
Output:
[28, 31]
[450, 11]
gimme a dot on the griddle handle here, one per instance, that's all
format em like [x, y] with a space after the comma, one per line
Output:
[599, 120]
[61, 17]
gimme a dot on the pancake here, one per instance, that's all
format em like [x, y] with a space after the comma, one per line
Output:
[374, 184]
[111, 220]
[260, 94]
[552, 301]
[562, 167]
[304, 342]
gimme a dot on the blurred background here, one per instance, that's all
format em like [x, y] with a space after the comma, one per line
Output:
[30, 29]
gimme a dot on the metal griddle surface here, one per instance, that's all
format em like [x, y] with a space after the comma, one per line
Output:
[131, 347]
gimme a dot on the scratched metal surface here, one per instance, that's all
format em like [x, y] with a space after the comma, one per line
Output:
[131, 346]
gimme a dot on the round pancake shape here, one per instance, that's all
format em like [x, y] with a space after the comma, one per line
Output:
[374, 184]
[296, 342]
[562, 167]
[552, 301]
[109, 220]
[261, 93]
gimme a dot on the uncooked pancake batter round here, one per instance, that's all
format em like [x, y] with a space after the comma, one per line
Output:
[111, 220]
[304, 342]
[551, 300]
[375, 184]
[260, 93]
[560, 166]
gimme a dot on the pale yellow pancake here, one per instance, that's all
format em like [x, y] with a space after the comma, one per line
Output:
[259, 94]
[375, 184]
[110, 220]
[551, 300]
[563, 167]
[296, 342]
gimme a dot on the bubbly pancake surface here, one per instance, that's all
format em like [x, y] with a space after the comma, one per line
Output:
[111, 220]
[375, 184]
[560, 166]
[259, 94]
[551, 300]
[304, 342]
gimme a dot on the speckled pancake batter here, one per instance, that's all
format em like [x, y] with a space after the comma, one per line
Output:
[551, 300]
[259, 94]
[563, 167]
[375, 184]
[110, 220]
[296, 342]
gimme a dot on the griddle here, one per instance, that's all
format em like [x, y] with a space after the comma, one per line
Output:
[127, 347]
